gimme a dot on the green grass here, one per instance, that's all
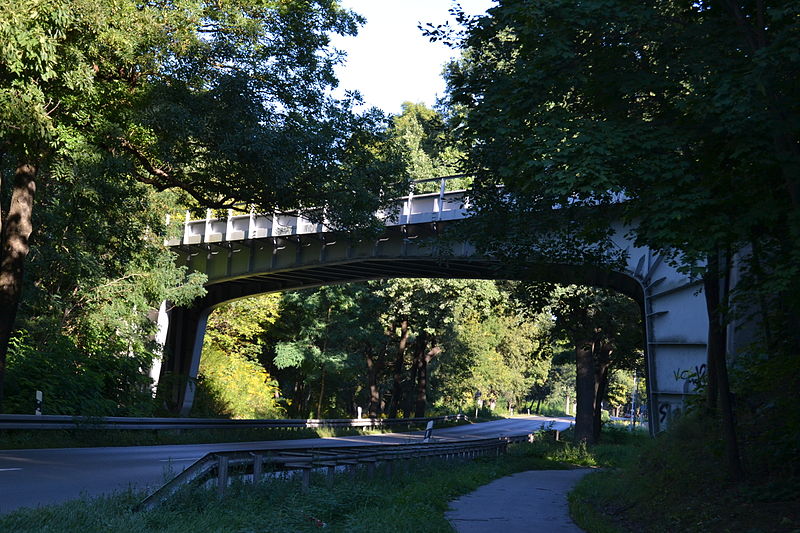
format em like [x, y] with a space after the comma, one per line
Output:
[415, 498]
[678, 482]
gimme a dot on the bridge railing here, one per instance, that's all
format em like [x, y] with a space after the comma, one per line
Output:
[45, 422]
[444, 202]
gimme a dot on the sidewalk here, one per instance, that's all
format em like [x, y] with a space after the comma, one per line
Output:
[525, 502]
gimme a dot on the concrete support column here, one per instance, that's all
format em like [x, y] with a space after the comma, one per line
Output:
[183, 346]
[162, 321]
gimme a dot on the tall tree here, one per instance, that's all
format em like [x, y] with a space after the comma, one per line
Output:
[226, 101]
[432, 308]
[605, 331]
[672, 105]
[425, 141]
[324, 345]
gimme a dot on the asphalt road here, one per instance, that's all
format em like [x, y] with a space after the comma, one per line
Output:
[29, 478]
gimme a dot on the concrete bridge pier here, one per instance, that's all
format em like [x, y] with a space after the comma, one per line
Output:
[183, 344]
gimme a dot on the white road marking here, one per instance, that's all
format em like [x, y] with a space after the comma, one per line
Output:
[9, 469]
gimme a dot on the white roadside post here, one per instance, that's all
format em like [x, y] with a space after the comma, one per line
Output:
[38, 404]
[428, 431]
[359, 412]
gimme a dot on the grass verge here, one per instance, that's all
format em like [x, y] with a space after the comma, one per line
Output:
[678, 482]
[415, 498]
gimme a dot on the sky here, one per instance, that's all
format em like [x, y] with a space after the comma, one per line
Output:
[390, 62]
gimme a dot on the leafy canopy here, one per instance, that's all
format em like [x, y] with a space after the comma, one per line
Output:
[688, 110]
[227, 101]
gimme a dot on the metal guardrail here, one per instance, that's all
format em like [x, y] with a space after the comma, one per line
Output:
[44, 422]
[223, 464]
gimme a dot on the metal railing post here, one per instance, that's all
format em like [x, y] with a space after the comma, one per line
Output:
[442, 188]
[186, 228]
[222, 475]
[258, 467]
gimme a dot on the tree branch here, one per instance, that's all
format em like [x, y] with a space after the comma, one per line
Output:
[163, 179]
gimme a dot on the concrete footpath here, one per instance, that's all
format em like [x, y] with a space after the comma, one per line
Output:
[533, 501]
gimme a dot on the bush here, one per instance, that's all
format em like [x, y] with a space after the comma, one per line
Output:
[76, 382]
[232, 385]
[678, 482]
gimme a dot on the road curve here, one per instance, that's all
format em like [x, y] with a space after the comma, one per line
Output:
[29, 478]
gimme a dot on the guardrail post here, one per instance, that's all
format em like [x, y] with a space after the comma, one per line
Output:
[258, 467]
[222, 474]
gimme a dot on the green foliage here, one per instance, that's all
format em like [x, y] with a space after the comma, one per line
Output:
[683, 471]
[236, 386]
[767, 412]
[238, 326]
[328, 346]
[96, 268]
[77, 381]
[590, 315]
[688, 111]
[504, 356]
[426, 146]
[231, 381]
[670, 103]
[561, 379]
[620, 388]
[110, 101]
[226, 101]
[319, 344]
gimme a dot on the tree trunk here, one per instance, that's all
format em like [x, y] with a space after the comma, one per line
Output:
[422, 376]
[418, 351]
[601, 386]
[372, 385]
[584, 388]
[539, 406]
[14, 247]
[408, 409]
[422, 385]
[397, 384]
[716, 302]
[321, 393]
[420, 372]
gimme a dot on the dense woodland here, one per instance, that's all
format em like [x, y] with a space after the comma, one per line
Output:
[408, 347]
[115, 113]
